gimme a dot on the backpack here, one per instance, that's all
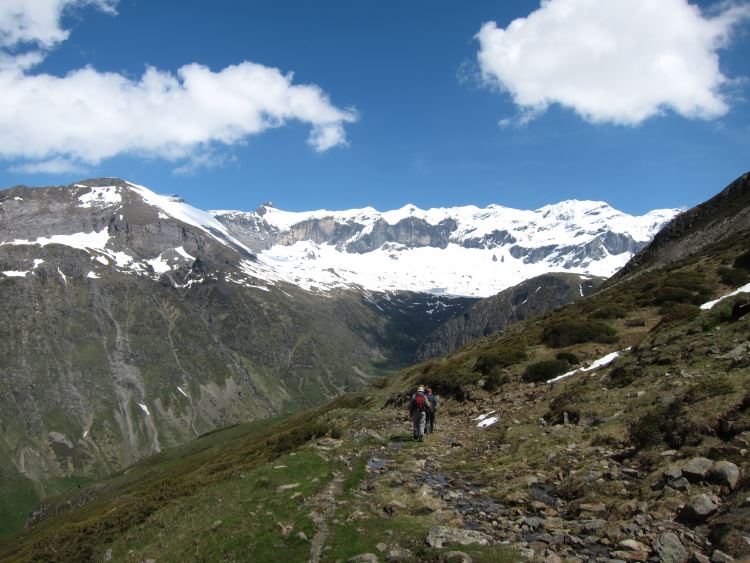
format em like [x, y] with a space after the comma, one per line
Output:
[420, 402]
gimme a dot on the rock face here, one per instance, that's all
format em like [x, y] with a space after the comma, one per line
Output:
[724, 214]
[483, 250]
[487, 316]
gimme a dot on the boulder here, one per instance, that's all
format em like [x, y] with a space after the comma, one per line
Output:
[442, 535]
[725, 473]
[672, 471]
[634, 545]
[680, 484]
[721, 557]
[698, 557]
[669, 548]
[697, 469]
[399, 554]
[699, 508]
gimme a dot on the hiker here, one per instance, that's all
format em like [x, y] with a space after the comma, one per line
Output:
[430, 425]
[418, 408]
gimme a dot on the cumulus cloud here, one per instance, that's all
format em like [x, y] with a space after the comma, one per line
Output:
[38, 21]
[87, 115]
[619, 61]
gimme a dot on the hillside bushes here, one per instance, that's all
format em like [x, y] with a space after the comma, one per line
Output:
[544, 370]
[569, 332]
[489, 362]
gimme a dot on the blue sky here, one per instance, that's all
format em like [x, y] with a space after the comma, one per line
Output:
[404, 110]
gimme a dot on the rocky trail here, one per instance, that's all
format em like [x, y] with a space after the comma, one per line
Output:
[434, 480]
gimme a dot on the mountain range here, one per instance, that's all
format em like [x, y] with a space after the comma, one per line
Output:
[135, 322]
[613, 427]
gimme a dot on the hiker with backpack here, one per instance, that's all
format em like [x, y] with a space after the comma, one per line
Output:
[430, 424]
[418, 408]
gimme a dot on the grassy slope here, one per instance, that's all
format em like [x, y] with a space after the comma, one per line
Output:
[669, 392]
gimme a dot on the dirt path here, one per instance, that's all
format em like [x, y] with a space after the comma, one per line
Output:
[324, 505]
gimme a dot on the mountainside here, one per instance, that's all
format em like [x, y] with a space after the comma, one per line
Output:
[490, 315]
[133, 322]
[614, 428]
[459, 251]
[727, 213]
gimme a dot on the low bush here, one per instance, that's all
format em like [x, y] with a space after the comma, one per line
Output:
[709, 387]
[567, 333]
[610, 312]
[733, 277]
[498, 359]
[678, 312]
[636, 322]
[743, 261]
[622, 376]
[544, 370]
[495, 380]
[569, 357]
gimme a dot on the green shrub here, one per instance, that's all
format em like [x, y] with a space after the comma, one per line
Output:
[501, 358]
[569, 357]
[495, 380]
[733, 277]
[648, 430]
[743, 261]
[672, 295]
[635, 322]
[610, 312]
[678, 312]
[709, 387]
[567, 333]
[622, 376]
[544, 370]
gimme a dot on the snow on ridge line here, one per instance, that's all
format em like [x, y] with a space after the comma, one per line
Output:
[596, 364]
[476, 222]
[188, 214]
[710, 304]
[99, 196]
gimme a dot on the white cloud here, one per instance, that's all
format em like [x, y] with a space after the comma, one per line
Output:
[87, 115]
[38, 21]
[53, 166]
[618, 61]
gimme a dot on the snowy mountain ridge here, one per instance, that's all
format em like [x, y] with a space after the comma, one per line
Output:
[468, 251]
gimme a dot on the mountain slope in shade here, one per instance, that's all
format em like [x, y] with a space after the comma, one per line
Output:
[727, 213]
[490, 315]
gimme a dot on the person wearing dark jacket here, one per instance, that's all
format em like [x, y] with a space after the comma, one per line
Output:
[430, 424]
[418, 407]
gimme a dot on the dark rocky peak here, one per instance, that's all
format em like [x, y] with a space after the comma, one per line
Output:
[725, 214]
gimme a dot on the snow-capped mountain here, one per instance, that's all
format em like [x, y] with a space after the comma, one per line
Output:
[468, 250]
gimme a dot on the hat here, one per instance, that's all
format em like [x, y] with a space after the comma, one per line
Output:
[420, 388]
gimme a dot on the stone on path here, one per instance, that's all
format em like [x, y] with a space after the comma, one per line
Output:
[721, 557]
[669, 548]
[699, 508]
[442, 535]
[725, 473]
[697, 469]
[399, 554]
